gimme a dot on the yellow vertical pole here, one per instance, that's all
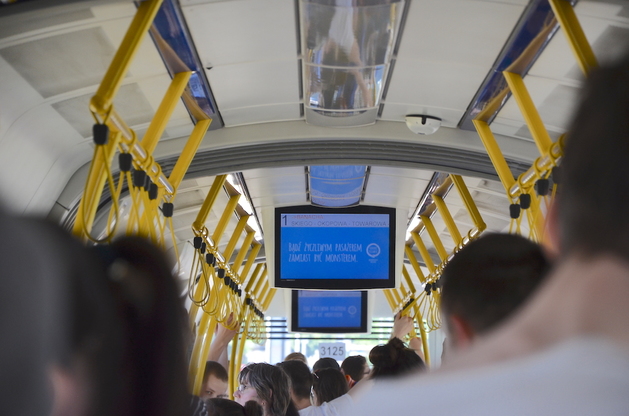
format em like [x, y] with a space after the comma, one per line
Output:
[164, 111]
[251, 259]
[422, 331]
[103, 157]
[124, 55]
[447, 218]
[434, 236]
[224, 220]
[229, 250]
[423, 251]
[528, 110]
[414, 263]
[244, 249]
[254, 278]
[210, 198]
[389, 297]
[409, 282]
[574, 33]
[469, 203]
[188, 152]
[495, 154]
[199, 352]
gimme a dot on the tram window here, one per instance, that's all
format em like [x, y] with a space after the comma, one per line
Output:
[326, 311]
[325, 248]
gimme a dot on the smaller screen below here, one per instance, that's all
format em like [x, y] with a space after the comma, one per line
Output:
[329, 311]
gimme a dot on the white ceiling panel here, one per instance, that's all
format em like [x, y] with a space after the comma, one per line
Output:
[435, 84]
[255, 83]
[243, 31]
[468, 31]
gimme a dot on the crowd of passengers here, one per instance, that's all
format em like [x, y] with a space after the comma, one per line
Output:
[101, 330]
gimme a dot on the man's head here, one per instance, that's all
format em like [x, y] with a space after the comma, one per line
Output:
[486, 282]
[300, 380]
[214, 381]
[592, 203]
[355, 368]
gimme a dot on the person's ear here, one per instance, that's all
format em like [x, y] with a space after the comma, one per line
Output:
[461, 332]
[550, 241]
[350, 381]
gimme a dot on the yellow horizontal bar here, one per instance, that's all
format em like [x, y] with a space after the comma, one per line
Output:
[253, 278]
[407, 278]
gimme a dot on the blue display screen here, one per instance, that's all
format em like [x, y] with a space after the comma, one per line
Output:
[334, 246]
[329, 311]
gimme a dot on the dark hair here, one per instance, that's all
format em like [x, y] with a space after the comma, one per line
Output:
[592, 202]
[326, 362]
[490, 278]
[226, 407]
[354, 366]
[153, 376]
[271, 384]
[213, 368]
[394, 358]
[300, 377]
[328, 384]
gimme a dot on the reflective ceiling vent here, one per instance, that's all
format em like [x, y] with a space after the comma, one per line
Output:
[346, 47]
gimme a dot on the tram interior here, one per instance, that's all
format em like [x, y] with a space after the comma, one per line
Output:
[294, 103]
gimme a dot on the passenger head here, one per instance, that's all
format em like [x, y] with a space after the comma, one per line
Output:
[296, 356]
[326, 362]
[592, 207]
[355, 368]
[214, 381]
[153, 376]
[327, 385]
[300, 381]
[226, 407]
[486, 281]
[394, 358]
[266, 384]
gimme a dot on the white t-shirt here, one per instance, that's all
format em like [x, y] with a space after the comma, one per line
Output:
[341, 406]
[584, 376]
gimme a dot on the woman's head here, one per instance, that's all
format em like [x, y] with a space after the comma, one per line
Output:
[394, 358]
[267, 385]
[226, 407]
[327, 385]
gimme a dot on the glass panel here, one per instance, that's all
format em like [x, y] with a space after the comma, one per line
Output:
[343, 34]
[343, 89]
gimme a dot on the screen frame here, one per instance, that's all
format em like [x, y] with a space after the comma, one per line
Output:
[364, 317]
[335, 284]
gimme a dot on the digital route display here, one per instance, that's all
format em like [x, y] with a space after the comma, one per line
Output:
[334, 246]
